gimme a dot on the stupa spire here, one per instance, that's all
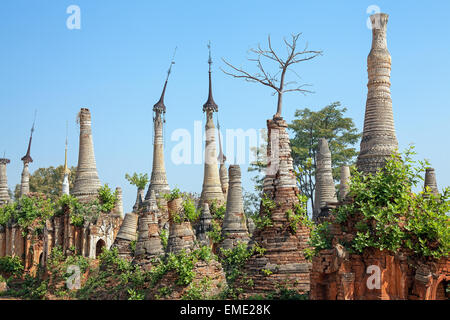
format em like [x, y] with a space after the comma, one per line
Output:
[223, 174]
[4, 194]
[325, 190]
[378, 140]
[65, 184]
[87, 182]
[158, 180]
[212, 187]
[25, 179]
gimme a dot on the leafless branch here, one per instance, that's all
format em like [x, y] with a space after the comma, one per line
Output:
[277, 82]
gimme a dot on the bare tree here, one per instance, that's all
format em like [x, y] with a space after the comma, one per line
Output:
[277, 81]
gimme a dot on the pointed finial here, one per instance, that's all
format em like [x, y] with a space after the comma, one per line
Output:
[221, 156]
[210, 105]
[66, 168]
[159, 106]
[27, 158]
[209, 59]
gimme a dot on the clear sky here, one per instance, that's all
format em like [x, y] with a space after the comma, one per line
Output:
[116, 64]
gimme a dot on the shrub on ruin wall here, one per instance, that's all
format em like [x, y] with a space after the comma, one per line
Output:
[29, 212]
[385, 213]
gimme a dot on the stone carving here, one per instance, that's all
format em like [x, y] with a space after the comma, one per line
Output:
[325, 190]
[430, 181]
[234, 227]
[345, 180]
[87, 182]
[379, 140]
[4, 194]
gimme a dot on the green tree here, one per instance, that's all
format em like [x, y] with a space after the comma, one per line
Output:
[308, 127]
[139, 180]
[48, 181]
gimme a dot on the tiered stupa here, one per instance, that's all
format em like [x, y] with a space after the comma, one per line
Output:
[212, 187]
[234, 227]
[87, 182]
[379, 140]
[325, 191]
[4, 194]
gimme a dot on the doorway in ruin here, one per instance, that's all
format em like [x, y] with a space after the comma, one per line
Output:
[41, 259]
[99, 247]
[442, 291]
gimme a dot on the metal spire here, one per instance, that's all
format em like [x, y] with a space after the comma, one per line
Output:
[159, 106]
[66, 169]
[210, 105]
[27, 158]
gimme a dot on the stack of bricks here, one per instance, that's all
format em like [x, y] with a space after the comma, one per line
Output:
[283, 263]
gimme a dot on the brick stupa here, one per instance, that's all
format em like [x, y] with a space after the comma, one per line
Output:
[284, 256]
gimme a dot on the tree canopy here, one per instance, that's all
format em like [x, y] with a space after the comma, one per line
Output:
[308, 127]
[48, 181]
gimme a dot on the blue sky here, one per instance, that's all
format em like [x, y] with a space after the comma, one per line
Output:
[116, 64]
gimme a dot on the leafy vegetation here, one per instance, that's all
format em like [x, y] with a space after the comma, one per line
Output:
[265, 218]
[48, 182]
[139, 180]
[386, 214]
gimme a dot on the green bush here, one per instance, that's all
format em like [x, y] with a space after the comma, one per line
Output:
[391, 216]
[11, 265]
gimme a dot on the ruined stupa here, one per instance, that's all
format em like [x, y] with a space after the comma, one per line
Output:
[4, 194]
[87, 182]
[283, 260]
[379, 140]
[212, 187]
[181, 235]
[344, 184]
[148, 245]
[205, 226]
[127, 233]
[325, 191]
[430, 181]
[234, 227]
[26, 159]
[139, 200]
